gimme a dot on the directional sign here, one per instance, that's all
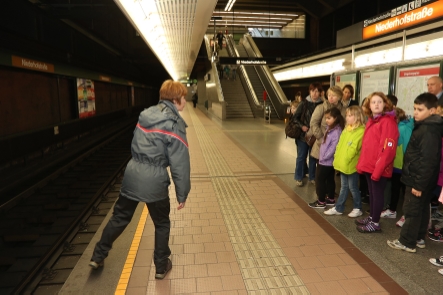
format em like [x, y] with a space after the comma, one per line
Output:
[250, 61]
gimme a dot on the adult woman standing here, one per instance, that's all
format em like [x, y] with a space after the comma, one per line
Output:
[159, 142]
[348, 94]
[303, 118]
[318, 127]
[318, 121]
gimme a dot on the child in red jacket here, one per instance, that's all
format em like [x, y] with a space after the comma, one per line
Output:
[377, 155]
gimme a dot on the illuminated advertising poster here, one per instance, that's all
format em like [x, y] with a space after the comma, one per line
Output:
[375, 81]
[411, 82]
[86, 98]
[342, 80]
[406, 15]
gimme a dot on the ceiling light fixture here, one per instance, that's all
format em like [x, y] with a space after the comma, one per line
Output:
[229, 5]
[172, 29]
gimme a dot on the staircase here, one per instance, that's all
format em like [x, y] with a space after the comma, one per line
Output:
[237, 105]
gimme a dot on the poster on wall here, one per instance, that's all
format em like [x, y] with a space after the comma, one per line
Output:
[374, 81]
[86, 98]
[411, 82]
[342, 80]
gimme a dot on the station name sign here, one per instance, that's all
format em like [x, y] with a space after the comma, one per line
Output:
[30, 64]
[250, 61]
[406, 15]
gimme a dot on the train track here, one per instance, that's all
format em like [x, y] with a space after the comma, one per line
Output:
[45, 228]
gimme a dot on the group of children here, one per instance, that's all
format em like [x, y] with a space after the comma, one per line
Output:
[389, 146]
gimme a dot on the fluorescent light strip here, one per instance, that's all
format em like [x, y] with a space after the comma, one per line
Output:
[229, 5]
[254, 13]
[255, 17]
[253, 21]
[260, 25]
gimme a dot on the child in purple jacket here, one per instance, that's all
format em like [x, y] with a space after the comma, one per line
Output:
[325, 174]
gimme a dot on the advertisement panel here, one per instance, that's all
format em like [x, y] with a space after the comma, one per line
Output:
[85, 97]
[342, 80]
[399, 18]
[411, 82]
[374, 81]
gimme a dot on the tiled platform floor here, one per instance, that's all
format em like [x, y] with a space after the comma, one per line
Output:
[244, 231]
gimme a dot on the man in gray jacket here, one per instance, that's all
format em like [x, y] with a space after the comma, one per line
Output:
[159, 142]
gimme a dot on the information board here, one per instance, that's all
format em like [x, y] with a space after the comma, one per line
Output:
[374, 81]
[411, 82]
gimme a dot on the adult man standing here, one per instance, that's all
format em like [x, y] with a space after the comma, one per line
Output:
[435, 86]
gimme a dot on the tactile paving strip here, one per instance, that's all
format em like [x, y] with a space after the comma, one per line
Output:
[263, 264]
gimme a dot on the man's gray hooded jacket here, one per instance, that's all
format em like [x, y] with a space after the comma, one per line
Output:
[159, 141]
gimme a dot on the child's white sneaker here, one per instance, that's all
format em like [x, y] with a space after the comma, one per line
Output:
[332, 211]
[355, 213]
[388, 214]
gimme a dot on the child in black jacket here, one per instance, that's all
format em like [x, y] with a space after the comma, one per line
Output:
[421, 167]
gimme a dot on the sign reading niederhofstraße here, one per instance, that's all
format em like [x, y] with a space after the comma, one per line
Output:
[409, 14]
[250, 61]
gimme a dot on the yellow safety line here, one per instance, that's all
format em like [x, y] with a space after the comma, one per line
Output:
[129, 264]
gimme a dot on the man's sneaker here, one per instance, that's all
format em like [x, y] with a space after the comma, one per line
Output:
[299, 183]
[312, 182]
[363, 221]
[440, 271]
[161, 275]
[388, 214]
[355, 213]
[95, 265]
[437, 261]
[317, 205]
[401, 221]
[395, 244]
[437, 215]
[370, 227]
[330, 202]
[332, 211]
[436, 237]
[421, 244]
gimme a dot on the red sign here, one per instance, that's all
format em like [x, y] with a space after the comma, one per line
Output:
[420, 72]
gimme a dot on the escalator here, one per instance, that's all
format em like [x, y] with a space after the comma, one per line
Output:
[262, 79]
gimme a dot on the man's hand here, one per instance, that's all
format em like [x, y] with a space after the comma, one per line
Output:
[181, 205]
[305, 128]
[416, 192]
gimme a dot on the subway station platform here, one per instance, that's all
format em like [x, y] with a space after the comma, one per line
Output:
[247, 229]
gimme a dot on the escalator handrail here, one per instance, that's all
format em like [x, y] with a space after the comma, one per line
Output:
[233, 52]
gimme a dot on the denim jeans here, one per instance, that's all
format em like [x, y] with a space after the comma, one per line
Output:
[349, 182]
[303, 150]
